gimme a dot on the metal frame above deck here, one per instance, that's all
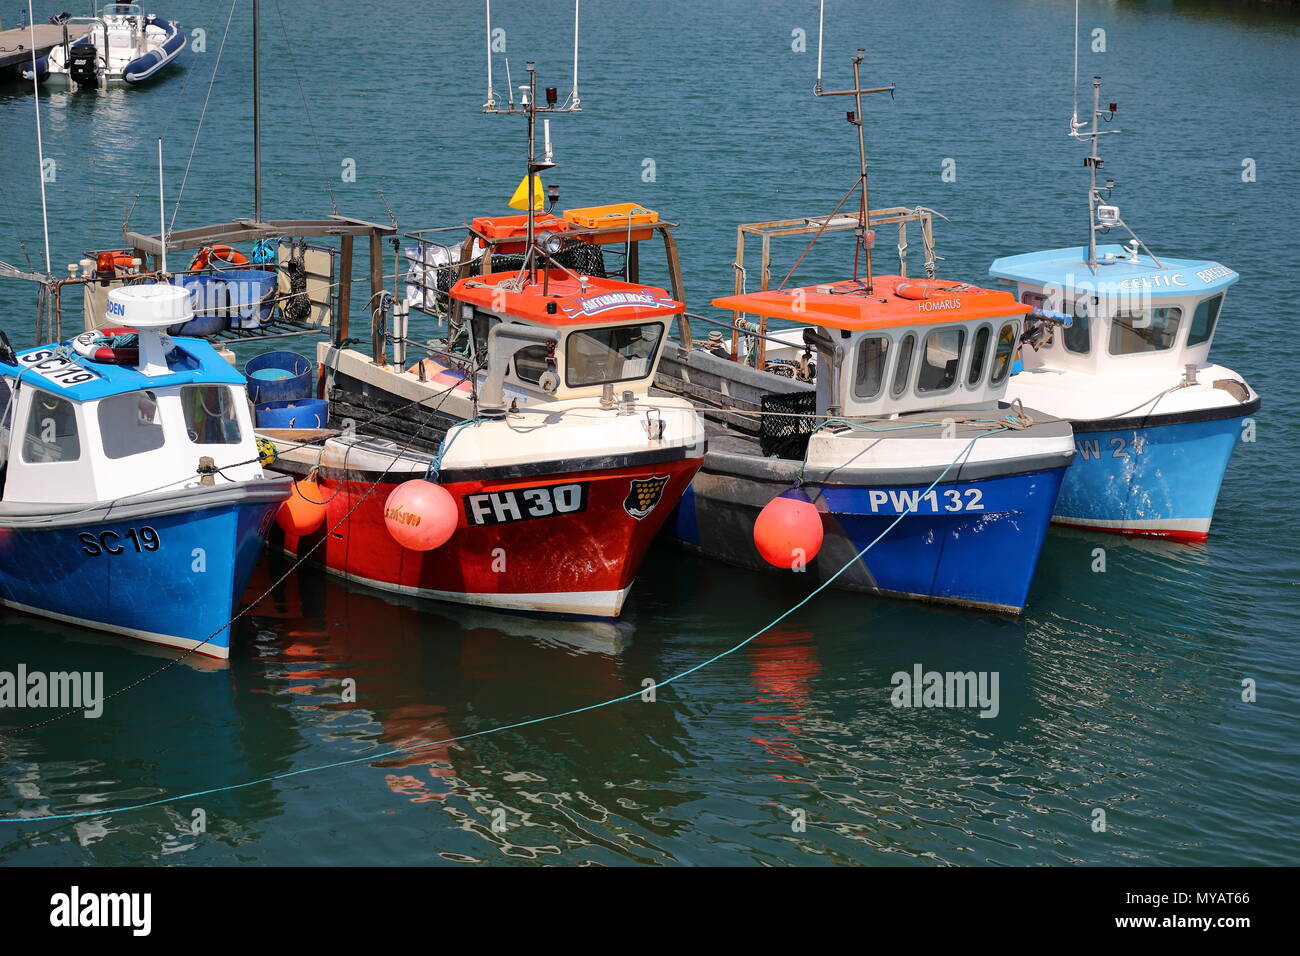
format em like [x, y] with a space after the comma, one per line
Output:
[818, 226]
[249, 230]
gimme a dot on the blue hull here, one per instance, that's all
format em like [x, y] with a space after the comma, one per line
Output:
[972, 543]
[1157, 480]
[174, 579]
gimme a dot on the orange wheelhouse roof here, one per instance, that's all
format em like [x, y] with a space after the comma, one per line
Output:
[893, 301]
[593, 302]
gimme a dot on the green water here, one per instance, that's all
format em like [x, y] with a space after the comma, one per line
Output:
[1120, 690]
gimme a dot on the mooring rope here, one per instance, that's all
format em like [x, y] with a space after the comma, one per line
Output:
[517, 724]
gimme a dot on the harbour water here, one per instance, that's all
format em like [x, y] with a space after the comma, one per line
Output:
[1120, 689]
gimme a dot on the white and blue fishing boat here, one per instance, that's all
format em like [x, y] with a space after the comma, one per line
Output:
[132, 499]
[882, 405]
[1119, 345]
[122, 44]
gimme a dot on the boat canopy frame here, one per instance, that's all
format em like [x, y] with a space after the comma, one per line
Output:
[347, 229]
[469, 263]
[816, 226]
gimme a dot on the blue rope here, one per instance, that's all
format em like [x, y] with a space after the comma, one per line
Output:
[522, 723]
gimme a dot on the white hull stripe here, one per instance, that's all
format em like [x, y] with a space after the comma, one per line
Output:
[606, 604]
[1201, 525]
[208, 650]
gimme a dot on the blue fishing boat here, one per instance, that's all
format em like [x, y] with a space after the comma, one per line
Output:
[132, 498]
[1119, 344]
[872, 449]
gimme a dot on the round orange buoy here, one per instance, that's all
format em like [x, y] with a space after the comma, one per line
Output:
[788, 531]
[420, 514]
[304, 510]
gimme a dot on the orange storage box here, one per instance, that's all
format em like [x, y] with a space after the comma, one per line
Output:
[623, 214]
[516, 227]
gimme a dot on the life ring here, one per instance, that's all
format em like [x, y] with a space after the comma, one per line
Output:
[218, 256]
[101, 345]
[924, 288]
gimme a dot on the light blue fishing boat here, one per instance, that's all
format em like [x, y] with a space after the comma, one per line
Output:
[1119, 345]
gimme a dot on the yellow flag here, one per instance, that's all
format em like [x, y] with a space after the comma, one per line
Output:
[520, 199]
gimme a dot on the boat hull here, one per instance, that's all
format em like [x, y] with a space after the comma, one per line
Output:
[166, 575]
[565, 543]
[942, 551]
[1156, 478]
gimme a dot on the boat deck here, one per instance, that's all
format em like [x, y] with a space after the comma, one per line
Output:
[16, 44]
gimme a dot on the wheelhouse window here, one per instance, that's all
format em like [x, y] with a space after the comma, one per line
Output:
[903, 365]
[1145, 330]
[873, 354]
[51, 430]
[979, 356]
[130, 424]
[1005, 352]
[530, 363]
[619, 353]
[210, 417]
[1204, 319]
[1077, 336]
[940, 359]
[6, 416]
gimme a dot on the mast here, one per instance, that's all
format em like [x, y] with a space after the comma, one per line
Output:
[864, 216]
[1093, 162]
[531, 254]
[530, 108]
[257, 119]
[855, 117]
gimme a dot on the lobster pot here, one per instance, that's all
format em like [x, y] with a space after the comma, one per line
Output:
[278, 377]
[251, 294]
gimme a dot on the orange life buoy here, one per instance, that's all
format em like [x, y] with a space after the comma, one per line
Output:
[99, 345]
[218, 256]
[924, 288]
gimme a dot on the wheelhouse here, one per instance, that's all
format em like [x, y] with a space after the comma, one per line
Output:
[564, 336]
[1132, 316]
[73, 429]
[905, 345]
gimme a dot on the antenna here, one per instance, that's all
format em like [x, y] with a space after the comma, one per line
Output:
[574, 101]
[491, 103]
[162, 212]
[821, 19]
[864, 235]
[257, 120]
[40, 146]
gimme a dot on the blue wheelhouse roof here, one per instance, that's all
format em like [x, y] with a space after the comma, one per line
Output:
[1068, 269]
[192, 362]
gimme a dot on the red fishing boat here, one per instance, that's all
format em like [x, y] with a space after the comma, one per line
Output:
[560, 468]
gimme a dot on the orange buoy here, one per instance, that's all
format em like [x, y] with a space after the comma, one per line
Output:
[420, 515]
[304, 510]
[788, 531]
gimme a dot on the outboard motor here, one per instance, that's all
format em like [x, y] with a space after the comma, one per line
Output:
[83, 60]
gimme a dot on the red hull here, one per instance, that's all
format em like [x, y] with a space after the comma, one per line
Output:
[560, 543]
